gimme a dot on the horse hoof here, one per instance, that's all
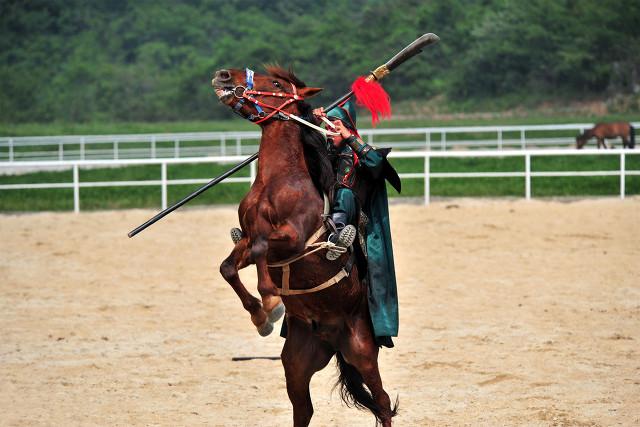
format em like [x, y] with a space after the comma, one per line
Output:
[277, 313]
[265, 329]
[236, 235]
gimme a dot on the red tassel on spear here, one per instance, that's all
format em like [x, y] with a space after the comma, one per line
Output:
[370, 95]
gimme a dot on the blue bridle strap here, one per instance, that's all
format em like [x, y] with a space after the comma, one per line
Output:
[238, 106]
[249, 79]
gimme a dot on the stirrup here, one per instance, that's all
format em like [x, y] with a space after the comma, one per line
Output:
[236, 235]
[345, 239]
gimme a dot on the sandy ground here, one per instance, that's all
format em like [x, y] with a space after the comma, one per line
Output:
[512, 313]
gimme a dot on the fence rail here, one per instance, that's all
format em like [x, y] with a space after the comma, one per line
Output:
[207, 144]
[426, 175]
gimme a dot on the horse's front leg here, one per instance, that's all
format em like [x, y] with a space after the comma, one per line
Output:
[283, 240]
[303, 355]
[268, 290]
[237, 260]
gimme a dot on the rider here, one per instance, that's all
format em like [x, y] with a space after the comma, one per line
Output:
[354, 160]
[345, 150]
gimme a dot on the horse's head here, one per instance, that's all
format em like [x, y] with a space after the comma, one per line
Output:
[581, 140]
[258, 97]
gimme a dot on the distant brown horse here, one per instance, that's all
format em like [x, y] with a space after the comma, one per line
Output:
[279, 217]
[602, 131]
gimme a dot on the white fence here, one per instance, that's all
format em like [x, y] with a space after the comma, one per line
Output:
[207, 144]
[425, 175]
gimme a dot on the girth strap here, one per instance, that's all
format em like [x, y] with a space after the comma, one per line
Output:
[285, 283]
[311, 243]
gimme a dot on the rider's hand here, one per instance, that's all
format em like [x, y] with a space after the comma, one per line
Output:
[342, 129]
[319, 112]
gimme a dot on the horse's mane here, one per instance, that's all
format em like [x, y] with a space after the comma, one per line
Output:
[586, 134]
[317, 155]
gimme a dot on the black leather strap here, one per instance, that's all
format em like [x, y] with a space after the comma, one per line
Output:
[357, 145]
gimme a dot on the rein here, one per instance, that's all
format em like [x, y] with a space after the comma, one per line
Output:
[244, 93]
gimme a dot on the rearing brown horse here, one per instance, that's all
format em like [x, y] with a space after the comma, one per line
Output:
[280, 214]
[602, 131]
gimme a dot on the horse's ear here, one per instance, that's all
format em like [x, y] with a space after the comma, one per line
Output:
[308, 92]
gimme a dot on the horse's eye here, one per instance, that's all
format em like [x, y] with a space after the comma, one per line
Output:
[276, 84]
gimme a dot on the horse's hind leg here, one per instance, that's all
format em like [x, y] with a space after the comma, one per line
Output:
[303, 355]
[361, 352]
[237, 260]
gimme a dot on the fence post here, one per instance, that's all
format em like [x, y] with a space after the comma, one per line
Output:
[60, 151]
[527, 176]
[116, 151]
[76, 189]
[11, 149]
[82, 148]
[163, 184]
[622, 175]
[238, 146]
[427, 174]
[153, 147]
[443, 141]
[427, 140]
[523, 141]
[252, 173]
[223, 146]
[499, 139]
[176, 149]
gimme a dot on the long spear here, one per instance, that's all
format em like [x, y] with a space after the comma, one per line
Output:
[378, 74]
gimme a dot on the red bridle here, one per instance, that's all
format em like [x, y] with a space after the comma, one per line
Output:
[244, 93]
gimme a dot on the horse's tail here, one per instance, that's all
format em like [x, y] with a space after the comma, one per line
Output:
[353, 392]
[632, 136]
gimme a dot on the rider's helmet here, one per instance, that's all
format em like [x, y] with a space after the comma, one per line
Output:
[346, 113]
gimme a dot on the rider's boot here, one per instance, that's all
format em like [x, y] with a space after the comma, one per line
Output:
[343, 237]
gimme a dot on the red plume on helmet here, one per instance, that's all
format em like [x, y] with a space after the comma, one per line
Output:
[371, 95]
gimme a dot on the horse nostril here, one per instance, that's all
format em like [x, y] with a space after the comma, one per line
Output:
[223, 75]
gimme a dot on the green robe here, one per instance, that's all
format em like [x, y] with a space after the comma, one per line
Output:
[383, 292]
